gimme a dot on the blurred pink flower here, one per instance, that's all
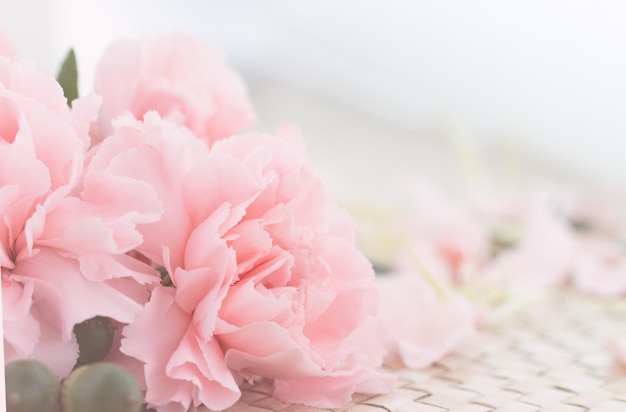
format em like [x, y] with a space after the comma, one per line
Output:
[184, 80]
[57, 246]
[297, 260]
[448, 233]
[599, 267]
[597, 211]
[267, 282]
[617, 347]
[422, 322]
[543, 256]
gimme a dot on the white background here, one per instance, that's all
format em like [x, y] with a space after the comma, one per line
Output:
[549, 76]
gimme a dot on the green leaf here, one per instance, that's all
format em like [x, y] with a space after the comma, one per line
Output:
[68, 77]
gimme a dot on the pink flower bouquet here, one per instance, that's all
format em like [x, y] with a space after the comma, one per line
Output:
[152, 246]
[212, 258]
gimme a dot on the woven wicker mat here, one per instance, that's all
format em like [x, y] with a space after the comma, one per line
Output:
[550, 357]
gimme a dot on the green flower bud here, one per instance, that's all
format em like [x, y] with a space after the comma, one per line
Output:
[101, 387]
[506, 235]
[30, 387]
[95, 338]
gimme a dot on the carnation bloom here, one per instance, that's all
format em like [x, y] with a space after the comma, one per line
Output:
[266, 278]
[185, 81]
[59, 249]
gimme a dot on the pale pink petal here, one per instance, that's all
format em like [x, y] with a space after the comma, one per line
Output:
[248, 303]
[250, 241]
[50, 237]
[617, 346]
[83, 114]
[59, 355]
[185, 81]
[350, 280]
[276, 356]
[24, 79]
[203, 363]
[599, 267]
[179, 371]
[160, 156]
[332, 391]
[218, 180]
[69, 298]
[543, 257]
[27, 332]
[21, 330]
[129, 363]
[421, 325]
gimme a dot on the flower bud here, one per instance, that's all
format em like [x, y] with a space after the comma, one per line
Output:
[95, 338]
[30, 387]
[101, 387]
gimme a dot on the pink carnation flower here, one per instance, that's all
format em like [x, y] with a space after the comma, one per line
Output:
[266, 279]
[185, 81]
[59, 249]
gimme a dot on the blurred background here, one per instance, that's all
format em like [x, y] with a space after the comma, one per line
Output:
[391, 91]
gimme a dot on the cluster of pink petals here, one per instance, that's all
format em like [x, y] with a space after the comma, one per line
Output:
[266, 280]
[268, 283]
[512, 244]
[218, 256]
[184, 80]
[62, 240]
[466, 263]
